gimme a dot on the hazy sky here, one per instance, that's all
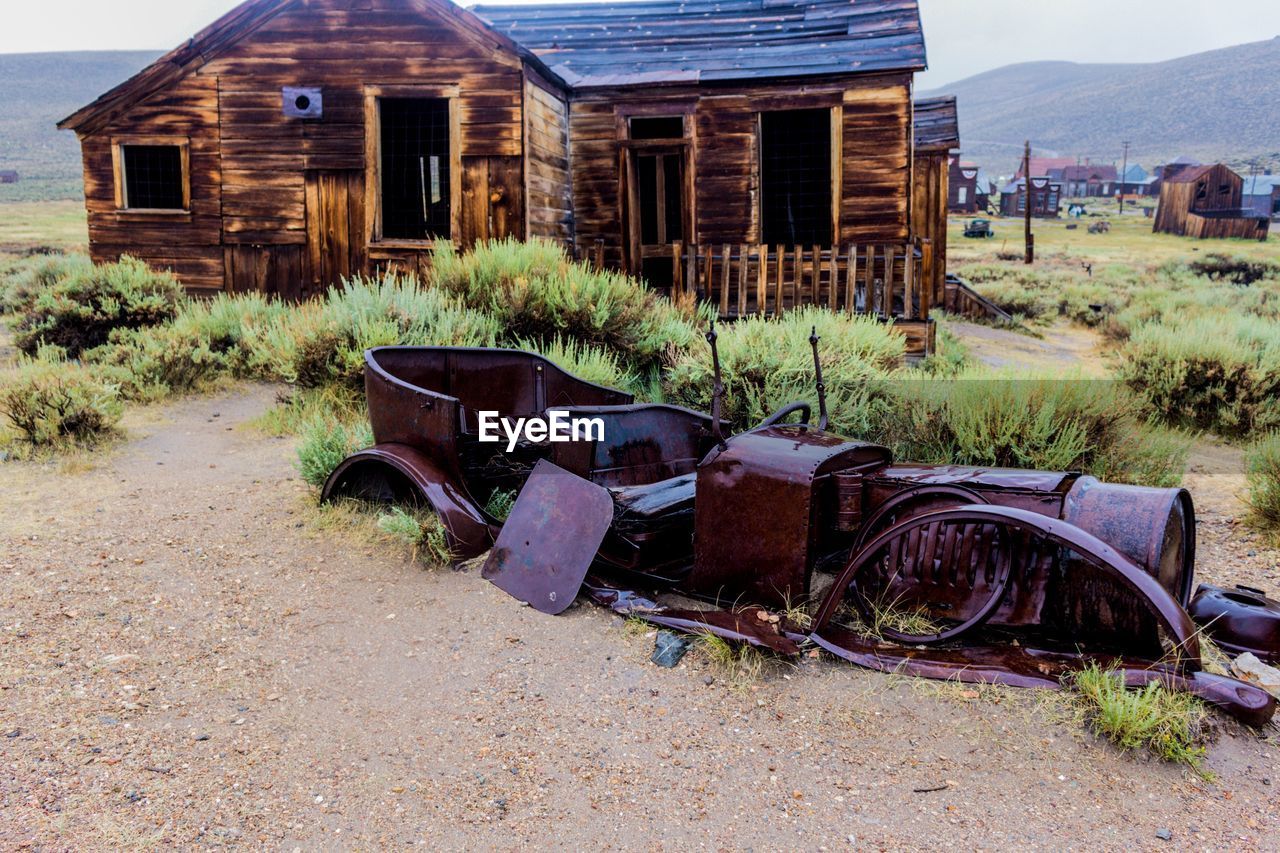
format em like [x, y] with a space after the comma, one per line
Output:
[964, 37]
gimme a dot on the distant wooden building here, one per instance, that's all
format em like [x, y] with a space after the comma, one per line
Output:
[1207, 202]
[937, 136]
[8, 176]
[1087, 181]
[1043, 166]
[966, 195]
[292, 143]
[1046, 198]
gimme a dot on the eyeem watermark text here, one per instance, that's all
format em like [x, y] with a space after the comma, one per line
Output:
[558, 426]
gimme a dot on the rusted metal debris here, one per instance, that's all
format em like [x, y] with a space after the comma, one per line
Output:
[952, 572]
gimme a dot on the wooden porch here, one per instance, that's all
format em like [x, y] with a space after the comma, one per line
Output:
[885, 280]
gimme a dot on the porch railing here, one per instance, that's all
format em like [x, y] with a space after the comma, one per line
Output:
[744, 279]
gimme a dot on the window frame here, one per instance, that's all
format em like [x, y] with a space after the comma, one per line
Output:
[373, 94]
[835, 162]
[119, 143]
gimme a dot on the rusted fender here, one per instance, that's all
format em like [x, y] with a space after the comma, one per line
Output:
[550, 538]
[1108, 559]
[752, 625]
[397, 473]
[1019, 666]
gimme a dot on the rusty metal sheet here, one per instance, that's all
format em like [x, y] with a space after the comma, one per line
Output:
[1020, 666]
[550, 539]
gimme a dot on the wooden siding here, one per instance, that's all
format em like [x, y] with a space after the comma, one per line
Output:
[548, 182]
[187, 242]
[929, 193]
[874, 132]
[254, 171]
[1217, 214]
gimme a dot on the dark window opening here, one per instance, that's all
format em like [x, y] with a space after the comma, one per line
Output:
[795, 177]
[153, 177]
[415, 168]
[663, 127]
[660, 178]
[658, 273]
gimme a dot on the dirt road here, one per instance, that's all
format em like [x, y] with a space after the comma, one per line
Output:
[186, 658]
[1062, 347]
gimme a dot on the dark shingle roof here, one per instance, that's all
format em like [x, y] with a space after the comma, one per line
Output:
[667, 41]
[936, 123]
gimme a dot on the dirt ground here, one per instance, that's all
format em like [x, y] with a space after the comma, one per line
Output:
[1062, 347]
[188, 657]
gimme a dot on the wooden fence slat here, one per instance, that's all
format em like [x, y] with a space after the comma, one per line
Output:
[704, 289]
[677, 268]
[908, 261]
[796, 272]
[925, 287]
[833, 280]
[762, 283]
[744, 261]
[816, 282]
[888, 280]
[777, 290]
[851, 281]
[726, 258]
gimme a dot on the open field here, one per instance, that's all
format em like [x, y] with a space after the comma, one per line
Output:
[1130, 241]
[26, 225]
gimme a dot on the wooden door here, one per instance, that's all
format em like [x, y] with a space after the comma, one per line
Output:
[335, 227]
[656, 178]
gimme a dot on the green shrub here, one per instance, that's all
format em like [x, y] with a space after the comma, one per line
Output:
[768, 363]
[1262, 469]
[989, 419]
[1217, 373]
[421, 531]
[53, 404]
[323, 342]
[27, 278]
[1168, 723]
[81, 309]
[326, 441]
[536, 293]
[207, 340]
[584, 361]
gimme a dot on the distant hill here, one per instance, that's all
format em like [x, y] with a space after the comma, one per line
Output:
[1220, 105]
[36, 91]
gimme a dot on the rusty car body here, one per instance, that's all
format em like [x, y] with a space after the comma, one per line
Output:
[424, 404]
[787, 535]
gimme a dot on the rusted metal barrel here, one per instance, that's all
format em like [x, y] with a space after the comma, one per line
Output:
[1156, 528]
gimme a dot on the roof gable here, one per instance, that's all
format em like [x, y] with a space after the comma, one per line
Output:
[226, 32]
[690, 41]
[937, 124]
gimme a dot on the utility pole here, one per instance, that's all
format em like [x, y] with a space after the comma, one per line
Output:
[1026, 177]
[1124, 174]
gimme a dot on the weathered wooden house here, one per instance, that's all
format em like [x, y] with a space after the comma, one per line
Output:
[759, 151]
[1046, 198]
[965, 193]
[937, 136]
[1207, 202]
[1087, 181]
[1043, 166]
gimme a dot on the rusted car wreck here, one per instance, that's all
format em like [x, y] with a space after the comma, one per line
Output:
[1008, 576]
